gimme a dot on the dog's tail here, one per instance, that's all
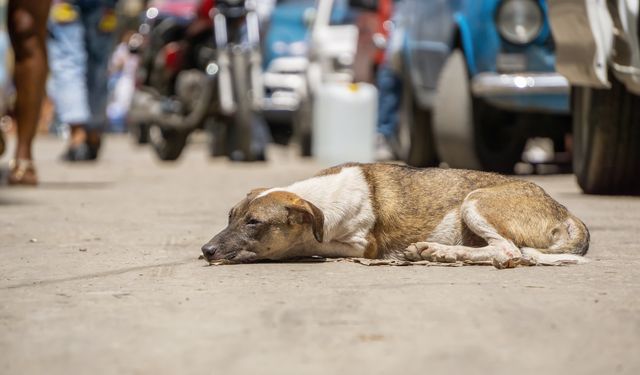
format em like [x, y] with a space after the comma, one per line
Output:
[533, 256]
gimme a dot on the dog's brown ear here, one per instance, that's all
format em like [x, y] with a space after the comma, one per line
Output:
[310, 214]
[254, 193]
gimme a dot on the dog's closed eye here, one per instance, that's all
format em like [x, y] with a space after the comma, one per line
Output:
[253, 222]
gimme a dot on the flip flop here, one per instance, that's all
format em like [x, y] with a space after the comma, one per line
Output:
[23, 172]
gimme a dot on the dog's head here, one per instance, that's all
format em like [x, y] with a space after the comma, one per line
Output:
[266, 226]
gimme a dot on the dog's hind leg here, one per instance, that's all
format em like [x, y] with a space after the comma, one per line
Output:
[510, 217]
[499, 251]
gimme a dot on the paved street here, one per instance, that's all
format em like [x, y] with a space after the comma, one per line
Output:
[99, 275]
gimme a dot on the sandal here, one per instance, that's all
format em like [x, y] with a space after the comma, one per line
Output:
[23, 172]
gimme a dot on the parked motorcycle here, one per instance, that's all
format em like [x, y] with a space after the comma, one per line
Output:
[200, 69]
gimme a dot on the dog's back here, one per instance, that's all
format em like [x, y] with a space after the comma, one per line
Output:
[414, 204]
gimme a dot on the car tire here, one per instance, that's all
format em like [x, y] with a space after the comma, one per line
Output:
[167, 143]
[606, 139]
[414, 137]
[470, 133]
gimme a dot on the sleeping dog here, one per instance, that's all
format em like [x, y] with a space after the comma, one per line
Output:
[389, 211]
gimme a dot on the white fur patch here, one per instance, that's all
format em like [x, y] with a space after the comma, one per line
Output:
[345, 200]
[449, 230]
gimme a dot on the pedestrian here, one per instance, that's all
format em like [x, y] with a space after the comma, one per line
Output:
[122, 76]
[389, 82]
[80, 41]
[27, 31]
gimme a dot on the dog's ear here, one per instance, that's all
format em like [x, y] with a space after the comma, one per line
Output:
[310, 214]
[254, 193]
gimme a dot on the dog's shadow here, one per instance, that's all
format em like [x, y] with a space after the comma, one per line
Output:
[311, 259]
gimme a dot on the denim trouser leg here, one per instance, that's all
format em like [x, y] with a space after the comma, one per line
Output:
[99, 46]
[390, 86]
[78, 58]
[67, 61]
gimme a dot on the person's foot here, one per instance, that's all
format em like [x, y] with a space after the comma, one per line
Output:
[23, 172]
[81, 152]
[83, 144]
[384, 151]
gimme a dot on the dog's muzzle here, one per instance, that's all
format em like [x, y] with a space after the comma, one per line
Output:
[209, 251]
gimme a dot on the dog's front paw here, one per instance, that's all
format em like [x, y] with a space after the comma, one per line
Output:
[502, 263]
[411, 253]
[432, 252]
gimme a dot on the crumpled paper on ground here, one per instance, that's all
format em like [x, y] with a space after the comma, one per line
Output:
[396, 262]
[362, 261]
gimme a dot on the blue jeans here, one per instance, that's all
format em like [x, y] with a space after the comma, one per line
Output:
[78, 58]
[390, 87]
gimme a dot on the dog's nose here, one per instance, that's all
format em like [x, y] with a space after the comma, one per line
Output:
[208, 250]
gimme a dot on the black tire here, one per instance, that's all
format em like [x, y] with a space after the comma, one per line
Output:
[167, 143]
[470, 133]
[414, 139]
[302, 126]
[606, 139]
[499, 138]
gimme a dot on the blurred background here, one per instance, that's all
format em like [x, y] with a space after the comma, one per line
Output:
[143, 122]
[511, 86]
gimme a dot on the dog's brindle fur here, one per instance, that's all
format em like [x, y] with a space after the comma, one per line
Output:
[391, 211]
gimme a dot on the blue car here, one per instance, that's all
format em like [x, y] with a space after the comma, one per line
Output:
[285, 60]
[288, 30]
[480, 79]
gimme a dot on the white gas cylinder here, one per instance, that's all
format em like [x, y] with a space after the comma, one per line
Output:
[344, 122]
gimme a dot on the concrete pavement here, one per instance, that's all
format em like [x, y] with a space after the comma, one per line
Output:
[99, 274]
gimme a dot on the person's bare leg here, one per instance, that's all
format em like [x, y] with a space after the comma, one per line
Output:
[27, 21]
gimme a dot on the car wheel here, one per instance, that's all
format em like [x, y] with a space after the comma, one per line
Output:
[167, 143]
[606, 139]
[469, 133]
[414, 137]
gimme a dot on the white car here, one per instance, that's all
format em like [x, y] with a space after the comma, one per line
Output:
[598, 51]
